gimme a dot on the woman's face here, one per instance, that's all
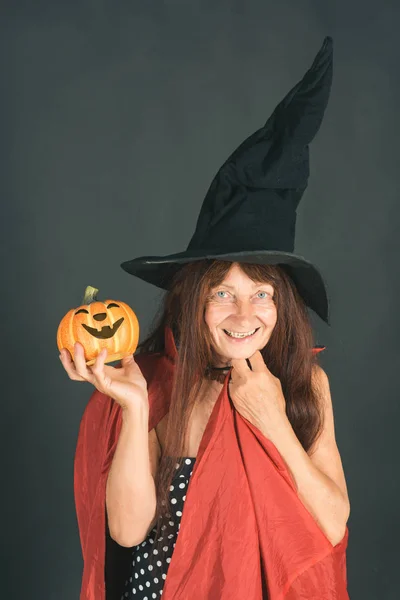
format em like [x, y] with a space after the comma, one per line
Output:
[239, 305]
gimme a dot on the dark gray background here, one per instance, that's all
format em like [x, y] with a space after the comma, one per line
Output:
[116, 116]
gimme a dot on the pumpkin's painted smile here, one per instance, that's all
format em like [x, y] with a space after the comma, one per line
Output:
[106, 331]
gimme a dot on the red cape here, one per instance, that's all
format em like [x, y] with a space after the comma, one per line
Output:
[244, 531]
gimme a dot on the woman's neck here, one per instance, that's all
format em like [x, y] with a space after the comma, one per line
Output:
[210, 390]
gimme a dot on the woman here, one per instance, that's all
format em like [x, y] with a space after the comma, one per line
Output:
[224, 410]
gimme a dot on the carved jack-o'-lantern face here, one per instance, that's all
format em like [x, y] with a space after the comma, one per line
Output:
[106, 331]
[96, 325]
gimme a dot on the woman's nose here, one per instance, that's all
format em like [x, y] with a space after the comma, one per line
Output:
[244, 308]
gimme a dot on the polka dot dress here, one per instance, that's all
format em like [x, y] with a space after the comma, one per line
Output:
[146, 581]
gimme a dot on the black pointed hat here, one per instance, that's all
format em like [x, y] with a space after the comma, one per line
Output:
[249, 212]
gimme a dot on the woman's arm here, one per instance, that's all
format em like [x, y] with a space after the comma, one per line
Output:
[319, 479]
[130, 491]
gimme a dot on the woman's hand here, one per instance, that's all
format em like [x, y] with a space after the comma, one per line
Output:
[256, 393]
[126, 385]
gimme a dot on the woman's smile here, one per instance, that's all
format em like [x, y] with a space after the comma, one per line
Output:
[241, 338]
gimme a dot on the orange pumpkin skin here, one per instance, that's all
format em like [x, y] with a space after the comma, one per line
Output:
[96, 325]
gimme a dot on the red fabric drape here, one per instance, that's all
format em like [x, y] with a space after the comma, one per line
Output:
[243, 525]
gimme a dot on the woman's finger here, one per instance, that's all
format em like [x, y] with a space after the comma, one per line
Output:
[80, 363]
[98, 369]
[100, 359]
[69, 366]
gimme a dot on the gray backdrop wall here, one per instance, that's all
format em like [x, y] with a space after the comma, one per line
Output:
[111, 112]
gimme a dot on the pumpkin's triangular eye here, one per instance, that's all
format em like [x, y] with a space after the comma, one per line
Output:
[82, 310]
[113, 305]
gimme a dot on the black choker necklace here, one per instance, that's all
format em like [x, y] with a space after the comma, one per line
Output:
[211, 368]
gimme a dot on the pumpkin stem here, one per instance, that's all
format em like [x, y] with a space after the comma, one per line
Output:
[90, 295]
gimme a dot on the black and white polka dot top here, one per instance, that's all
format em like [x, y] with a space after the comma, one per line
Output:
[146, 582]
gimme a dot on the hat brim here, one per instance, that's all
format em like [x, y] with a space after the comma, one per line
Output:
[159, 270]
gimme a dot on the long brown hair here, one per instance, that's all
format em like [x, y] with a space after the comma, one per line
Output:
[287, 354]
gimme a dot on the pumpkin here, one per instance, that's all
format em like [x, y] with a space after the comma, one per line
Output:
[111, 324]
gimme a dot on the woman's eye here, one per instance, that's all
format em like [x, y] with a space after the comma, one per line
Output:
[265, 295]
[221, 292]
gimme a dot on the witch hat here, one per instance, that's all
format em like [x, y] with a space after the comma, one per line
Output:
[249, 212]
